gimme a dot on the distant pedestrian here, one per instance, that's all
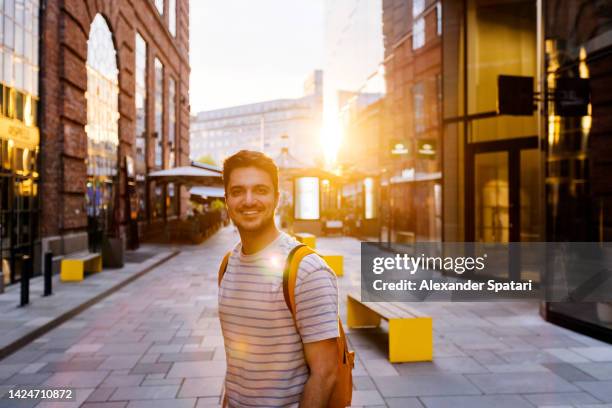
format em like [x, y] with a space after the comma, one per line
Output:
[272, 361]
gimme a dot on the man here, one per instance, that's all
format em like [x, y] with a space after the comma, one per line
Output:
[272, 361]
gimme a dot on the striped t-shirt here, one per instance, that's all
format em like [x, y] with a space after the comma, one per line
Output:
[265, 357]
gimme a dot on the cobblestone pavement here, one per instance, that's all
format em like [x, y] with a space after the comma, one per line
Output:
[157, 343]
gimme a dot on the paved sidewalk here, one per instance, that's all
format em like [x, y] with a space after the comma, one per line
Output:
[21, 325]
[157, 343]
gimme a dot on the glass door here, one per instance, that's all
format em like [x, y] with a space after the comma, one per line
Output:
[502, 199]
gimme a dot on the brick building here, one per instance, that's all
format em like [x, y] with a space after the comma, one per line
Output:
[98, 114]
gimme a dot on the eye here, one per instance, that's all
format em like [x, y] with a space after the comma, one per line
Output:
[261, 190]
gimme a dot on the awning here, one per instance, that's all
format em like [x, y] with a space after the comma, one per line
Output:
[186, 175]
[207, 192]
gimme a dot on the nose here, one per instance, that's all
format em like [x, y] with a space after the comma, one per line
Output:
[249, 199]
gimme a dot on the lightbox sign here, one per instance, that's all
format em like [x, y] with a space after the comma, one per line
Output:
[306, 198]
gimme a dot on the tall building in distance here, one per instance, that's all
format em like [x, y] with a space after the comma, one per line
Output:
[266, 126]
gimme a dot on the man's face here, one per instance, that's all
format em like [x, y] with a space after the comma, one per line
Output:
[250, 198]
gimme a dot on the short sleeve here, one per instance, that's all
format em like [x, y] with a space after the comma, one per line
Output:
[316, 300]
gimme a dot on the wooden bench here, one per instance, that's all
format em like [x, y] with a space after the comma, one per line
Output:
[75, 265]
[410, 332]
[306, 238]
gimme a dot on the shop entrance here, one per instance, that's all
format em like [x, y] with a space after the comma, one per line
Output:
[18, 213]
[502, 195]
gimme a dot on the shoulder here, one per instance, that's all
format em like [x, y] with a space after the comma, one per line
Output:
[313, 267]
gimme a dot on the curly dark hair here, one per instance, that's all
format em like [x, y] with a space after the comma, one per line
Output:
[250, 158]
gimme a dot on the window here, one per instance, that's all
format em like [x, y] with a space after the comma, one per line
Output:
[418, 33]
[141, 104]
[172, 120]
[172, 16]
[418, 96]
[160, 6]
[418, 6]
[159, 113]
[439, 18]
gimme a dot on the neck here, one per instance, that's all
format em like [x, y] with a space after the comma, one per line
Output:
[254, 241]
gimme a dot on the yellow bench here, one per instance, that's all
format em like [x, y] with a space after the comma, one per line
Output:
[410, 332]
[335, 262]
[74, 266]
[306, 238]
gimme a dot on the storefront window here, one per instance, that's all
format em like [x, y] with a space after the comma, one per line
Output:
[102, 127]
[141, 93]
[159, 113]
[172, 147]
[578, 188]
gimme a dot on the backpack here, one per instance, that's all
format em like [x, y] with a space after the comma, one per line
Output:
[343, 389]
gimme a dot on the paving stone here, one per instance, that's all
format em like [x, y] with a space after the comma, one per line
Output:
[208, 403]
[379, 367]
[80, 396]
[152, 382]
[164, 403]
[116, 404]
[517, 368]
[119, 362]
[403, 403]
[186, 356]
[595, 353]
[601, 390]
[480, 401]
[101, 394]
[565, 355]
[7, 370]
[165, 348]
[201, 387]
[572, 398]
[32, 368]
[88, 365]
[144, 393]
[150, 368]
[600, 371]
[76, 379]
[520, 383]
[568, 372]
[122, 380]
[197, 369]
[27, 379]
[364, 398]
[423, 385]
[363, 383]
[84, 348]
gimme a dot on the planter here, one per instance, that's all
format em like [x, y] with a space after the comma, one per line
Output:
[113, 254]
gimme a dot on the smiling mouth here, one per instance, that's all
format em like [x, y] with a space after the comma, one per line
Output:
[250, 212]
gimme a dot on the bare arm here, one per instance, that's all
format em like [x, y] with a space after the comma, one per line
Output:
[322, 359]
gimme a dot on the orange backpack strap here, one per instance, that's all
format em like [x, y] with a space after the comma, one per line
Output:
[290, 274]
[223, 266]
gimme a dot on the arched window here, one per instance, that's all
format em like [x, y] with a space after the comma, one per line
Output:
[102, 127]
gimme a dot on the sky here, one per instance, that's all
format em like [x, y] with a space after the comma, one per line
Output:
[245, 51]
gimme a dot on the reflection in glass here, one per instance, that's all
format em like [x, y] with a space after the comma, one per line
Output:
[492, 203]
[102, 126]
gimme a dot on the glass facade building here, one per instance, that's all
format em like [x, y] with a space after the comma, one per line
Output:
[19, 137]
[541, 175]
